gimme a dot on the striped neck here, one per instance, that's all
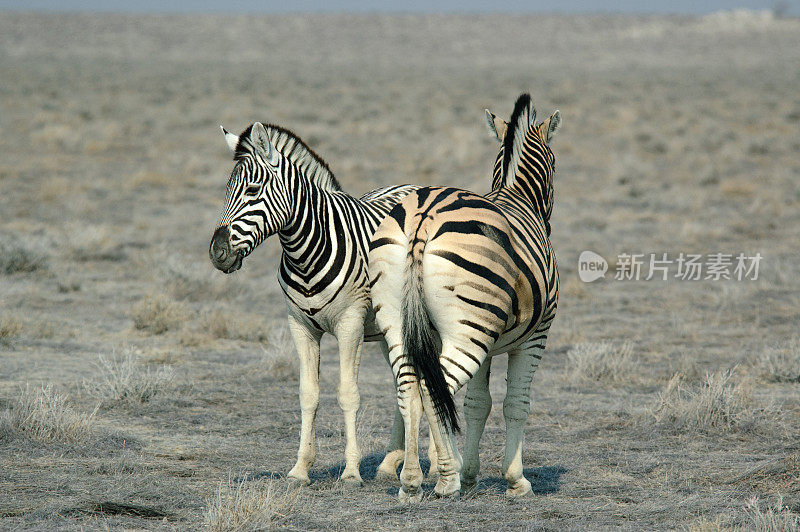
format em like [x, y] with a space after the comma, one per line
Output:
[303, 238]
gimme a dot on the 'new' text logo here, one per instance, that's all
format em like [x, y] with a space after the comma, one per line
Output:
[591, 266]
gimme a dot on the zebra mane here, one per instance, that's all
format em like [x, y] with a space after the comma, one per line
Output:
[521, 112]
[293, 148]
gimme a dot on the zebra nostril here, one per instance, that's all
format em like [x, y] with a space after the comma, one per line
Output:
[220, 247]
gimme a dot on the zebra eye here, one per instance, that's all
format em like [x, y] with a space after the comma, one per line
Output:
[252, 190]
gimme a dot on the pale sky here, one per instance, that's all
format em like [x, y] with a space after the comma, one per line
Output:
[398, 6]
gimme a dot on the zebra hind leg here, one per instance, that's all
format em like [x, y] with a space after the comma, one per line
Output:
[522, 363]
[448, 458]
[396, 448]
[411, 474]
[433, 458]
[477, 405]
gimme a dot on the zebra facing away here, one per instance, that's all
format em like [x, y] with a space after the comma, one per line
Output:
[279, 185]
[458, 278]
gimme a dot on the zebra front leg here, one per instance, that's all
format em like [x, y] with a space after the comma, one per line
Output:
[522, 363]
[307, 343]
[395, 450]
[350, 335]
[477, 405]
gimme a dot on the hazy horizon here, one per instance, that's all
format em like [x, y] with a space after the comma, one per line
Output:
[407, 6]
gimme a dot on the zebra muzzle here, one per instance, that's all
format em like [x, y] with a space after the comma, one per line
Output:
[220, 252]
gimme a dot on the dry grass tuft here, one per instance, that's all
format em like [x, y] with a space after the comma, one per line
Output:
[776, 517]
[279, 356]
[215, 324]
[780, 363]
[218, 324]
[42, 414]
[125, 379]
[251, 505]
[600, 361]
[718, 403]
[15, 259]
[9, 327]
[157, 314]
[253, 328]
[718, 524]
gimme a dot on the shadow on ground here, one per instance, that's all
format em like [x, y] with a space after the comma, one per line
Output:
[544, 480]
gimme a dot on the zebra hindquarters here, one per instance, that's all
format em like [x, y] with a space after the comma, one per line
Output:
[470, 286]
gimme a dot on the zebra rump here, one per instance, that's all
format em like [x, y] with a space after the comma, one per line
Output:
[419, 339]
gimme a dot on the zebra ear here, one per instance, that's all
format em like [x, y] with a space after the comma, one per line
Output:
[497, 126]
[260, 140]
[553, 124]
[230, 138]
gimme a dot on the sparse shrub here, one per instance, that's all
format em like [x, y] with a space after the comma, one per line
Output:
[704, 524]
[600, 361]
[157, 314]
[9, 327]
[219, 324]
[279, 356]
[215, 324]
[775, 518]
[42, 414]
[16, 259]
[718, 403]
[188, 281]
[249, 505]
[780, 363]
[253, 328]
[125, 379]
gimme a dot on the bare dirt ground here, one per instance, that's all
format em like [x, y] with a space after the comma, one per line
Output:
[170, 390]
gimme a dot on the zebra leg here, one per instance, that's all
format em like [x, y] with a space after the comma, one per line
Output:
[522, 363]
[307, 343]
[350, 335]
[448, 458]
[477, 405]
[395, 451]
[411, 408]
[433, 458]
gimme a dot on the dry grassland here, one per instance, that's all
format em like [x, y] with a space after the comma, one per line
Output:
[140, 388]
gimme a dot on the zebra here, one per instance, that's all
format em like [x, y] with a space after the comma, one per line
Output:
[458, 278]
[280, 186]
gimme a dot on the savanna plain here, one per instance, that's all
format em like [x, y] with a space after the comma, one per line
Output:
[140, 388]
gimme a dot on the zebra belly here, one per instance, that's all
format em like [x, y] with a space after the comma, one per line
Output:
[323, 313]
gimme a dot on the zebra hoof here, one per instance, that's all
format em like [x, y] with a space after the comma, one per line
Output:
[468, 484]
[298, 478]
[409, 498]
[448, 488]
[385, 474]
[388, 468]
[452, 495]
[520, 488]
[352, 478]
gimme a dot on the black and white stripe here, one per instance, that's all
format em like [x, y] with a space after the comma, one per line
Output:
[478, 278]
[280, 186]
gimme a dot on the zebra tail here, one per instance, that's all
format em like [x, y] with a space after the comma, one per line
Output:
[420, 342]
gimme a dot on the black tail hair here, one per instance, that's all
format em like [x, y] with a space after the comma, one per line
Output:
[420, 345]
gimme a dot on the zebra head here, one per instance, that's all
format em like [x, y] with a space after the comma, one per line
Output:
[525, 159]
[257, 201]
